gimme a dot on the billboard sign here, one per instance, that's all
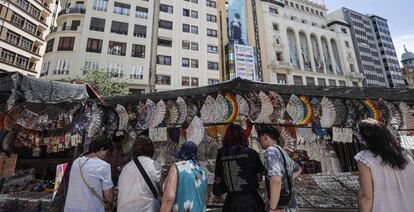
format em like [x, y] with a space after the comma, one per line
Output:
[237, 25]
[245, 62]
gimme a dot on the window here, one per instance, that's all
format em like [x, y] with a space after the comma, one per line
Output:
[164, 42]
[140, 31]
[166, 24]
[141, 12]
[194, 14]
[194, 46]
[332, 82]
[166, 8]
[297, 80]
[344, 30]
[97, 24]
[163, 60]
[45, 69]
[193, 1]
[186, 12]
[137, 72]
[186, 44]
[94, 45]
[210, 3]
[62, 67]
[66, 43]
[100, 5]
[22, 61]
[194, 29]
[211, 33]
[321, 82]
[279, 56]
[213, 81]
[281, 78]
[13, 37]
[8, 56]
[186, 28]
[194, 63]
[185, 81]
[121, 9]
[342, 83]
[347, 44]
[138, 51]
[273, 10]
[119, 28]
[90, 66]
[75, 25]
[310, 81]
[275, 27]
[211, 18]
[185, 62]
[212, 66]
[163, 80]
[49, 45]
[212, 49]
[115, 70]
[117, 48]
[194, 81]
[30, 27]
[17, 19]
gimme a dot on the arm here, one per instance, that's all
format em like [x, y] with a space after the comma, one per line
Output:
[108, 197]
[365, 194]
[297, 173]
[170, 187]
[275, 187]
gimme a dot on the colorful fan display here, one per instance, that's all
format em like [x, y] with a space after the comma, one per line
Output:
[278, 107]
[192, 111]
[160, 111]
[209, 110]
[144, 116]
[396, 116]
[171, 115]
[182, 110]
[266, 109]
[222, 110]
[407, 113]
[195, 131]
[328, 116]
[232, 106]
[287, 137]
[243, 106]
[372, 109]
[305, 135]
[123, 117]
[295, 109]
[308, 109]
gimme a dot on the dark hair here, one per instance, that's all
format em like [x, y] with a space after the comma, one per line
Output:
[380, 141]
[234, 140]
[188, 151]
[143, 146]
[100, 143]
[271, 131]
[237, 15]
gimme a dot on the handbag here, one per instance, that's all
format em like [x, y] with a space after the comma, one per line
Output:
[107, 205]
[146, 178]
[285, 192]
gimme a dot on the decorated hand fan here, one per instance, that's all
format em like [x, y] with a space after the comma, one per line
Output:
[244, 108]
[217, 131]
[95, 124]
[396, 116]
[328, 113]
[209, 110]
[152, 110]
[352, 113]
[341, 112]
[266, 109]
[144, 116]
[160, 111]
[385, 112]
[308, 116]
[123, 117]
[278, 107]
[295, 109]
[372, 110]
[317, 116]
[182, 110]
[288, 139]
[111, 123]
[172, 114]
[254, 105]
[232, 106]
[407, 113]
[305, 135]
[195, 132]
[222, 109]
[82, 122]
[192, 111]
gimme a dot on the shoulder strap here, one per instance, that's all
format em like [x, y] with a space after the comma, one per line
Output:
[286, 169]
[93, 191]
[146, 178]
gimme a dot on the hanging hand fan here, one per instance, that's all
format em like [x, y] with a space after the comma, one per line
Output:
[288, 139]
[172, 114]
[222, 109]
[244, 108]
[372, 109]
[182, 110]
[192, 111]
[11, 117]
[385, 112]
[295, 109]
[407, 113]
[209, 110]
[266, 109]
[123, 117]
[352, 113]
[82, 122]
[144, 116]
[396, 116]
[95, 124]
[232, 106]
[195, 132]
[160, 111]
[341, 112]
[254, 105]
[151, 110]
[305, 135]
[112, 123]
[308, 116]
[278, 107]
[328, 116]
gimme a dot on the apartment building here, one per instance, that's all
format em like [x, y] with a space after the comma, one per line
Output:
[24, 25]
[407, 59]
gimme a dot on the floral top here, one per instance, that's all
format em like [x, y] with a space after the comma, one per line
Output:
[191, 188]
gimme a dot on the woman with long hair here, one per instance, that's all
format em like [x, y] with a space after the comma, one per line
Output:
[386, 171]
[238, 170]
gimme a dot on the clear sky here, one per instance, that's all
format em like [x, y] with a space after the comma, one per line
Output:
[400, 15]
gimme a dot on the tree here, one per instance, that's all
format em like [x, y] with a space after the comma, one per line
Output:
[103, 83]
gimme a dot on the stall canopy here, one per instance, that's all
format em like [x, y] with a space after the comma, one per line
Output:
[18, 88]
[241, 85]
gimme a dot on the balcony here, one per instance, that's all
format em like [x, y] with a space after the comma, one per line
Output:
[281, 65]
[72, 10]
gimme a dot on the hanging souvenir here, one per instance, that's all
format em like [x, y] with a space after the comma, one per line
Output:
[407, 114]
[278, 107]
[372, 110]
[217, 131]
[342, 134]
[266, 109]
[158, 134]
[328, 115]
[123, 118]
[295, 109]
[82, 122]
[172, 114]
[209, 110]
[67, 141]
[254, 104]
[287, 138]
[160, 111]
[386, 114]
[192, 111]
[28, 119]
[182, 110]
[305, 135]
[222, 109]
[144, 116]
[11, 117]
[308, 116]
[341, 112]
[352, 113]
[233, 107]
[195, 131]
[396, 116]
[111, 125]
[73, 141]
[317, 116]
[96, 121]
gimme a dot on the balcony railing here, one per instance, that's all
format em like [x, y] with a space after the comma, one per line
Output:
[72, 10]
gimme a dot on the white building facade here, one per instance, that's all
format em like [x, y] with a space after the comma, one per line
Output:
[304, 46]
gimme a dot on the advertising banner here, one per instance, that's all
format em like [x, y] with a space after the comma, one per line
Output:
[237, 29]
[244, 62]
